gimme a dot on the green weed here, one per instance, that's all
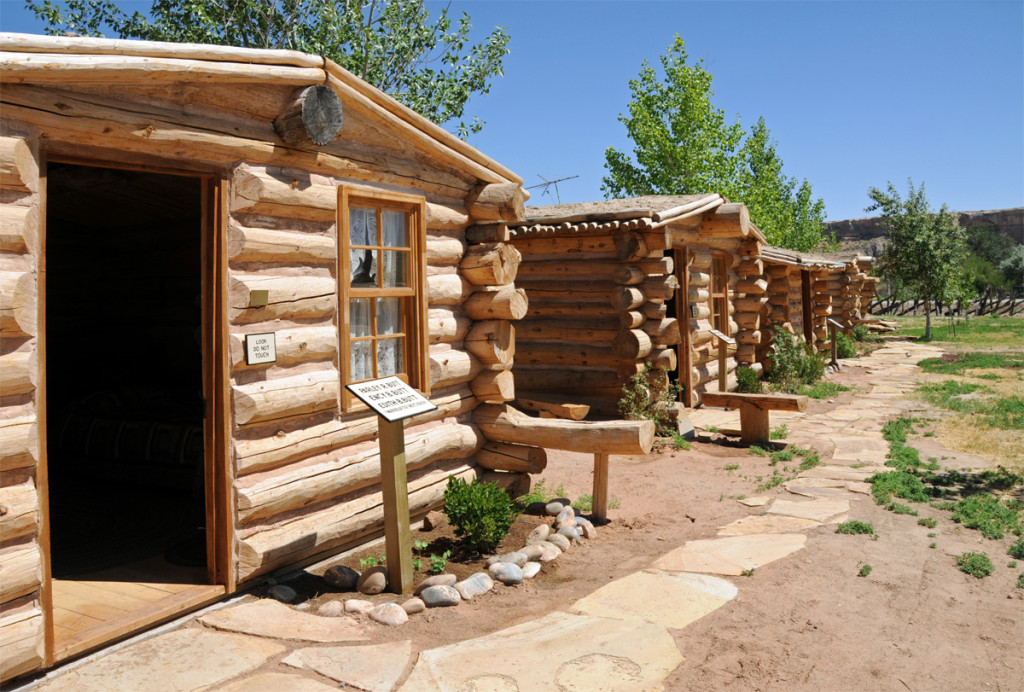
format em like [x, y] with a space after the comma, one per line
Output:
[855, 527]
[779, 432]
[989, 515]
[1017, 549]
[585, 503]
[865, 570]
[823, 390]
[974, 360]
[975, 564]
[906, 486]
[900, 508]
[731, 467]
[927, 521]
[757, 451]
[439, 562]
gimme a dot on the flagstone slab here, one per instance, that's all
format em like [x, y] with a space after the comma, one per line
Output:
[731, 555]
[556, 653]
[812, 491]
[670, 600]
[870, 448]
[767, 523]
[278, 682]
[848, 413]
[269, 618]
[756, 501]
[185, 659]
[825, 510]
[835, 473]
[375, 668]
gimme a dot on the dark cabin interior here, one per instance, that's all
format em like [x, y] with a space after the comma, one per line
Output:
[124, 369]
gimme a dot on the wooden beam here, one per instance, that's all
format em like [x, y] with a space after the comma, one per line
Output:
[505, 424]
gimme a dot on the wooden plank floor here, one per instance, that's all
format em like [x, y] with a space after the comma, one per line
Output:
[98, 609]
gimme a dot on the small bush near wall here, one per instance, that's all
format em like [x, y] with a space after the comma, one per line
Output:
[747, 381]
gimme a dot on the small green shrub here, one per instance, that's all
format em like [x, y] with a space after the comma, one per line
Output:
[1020, 580]
[1017, 549]
[899, 484]
[439, 562]
[865, 570]
[747, 381]
[987, 514]
[855, 527]
[680, 442]
[480, 513]
[900, 508]
[860, 332]
[585, 503]
[793, 362]
[781, 455]
[779, 432]
[927, 521]
[757, 451]
[845, 346]
[649, 395]
[975, 564]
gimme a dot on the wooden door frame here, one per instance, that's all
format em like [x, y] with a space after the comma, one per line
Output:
[215, 375]
[680, 257]
[807, 307]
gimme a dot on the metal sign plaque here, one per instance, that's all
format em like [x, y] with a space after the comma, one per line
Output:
[260, 348]
[834, 323]
[727, 339]
[391, 398]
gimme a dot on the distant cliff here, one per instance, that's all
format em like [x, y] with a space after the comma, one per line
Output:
[864, 235]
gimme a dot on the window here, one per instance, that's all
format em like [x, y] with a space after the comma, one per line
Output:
[720, 293]
[382, 287]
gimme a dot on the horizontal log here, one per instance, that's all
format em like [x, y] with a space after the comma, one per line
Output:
[750, 267]
[566, 248]
[444, 250]
[490, 264]
[493, 342]
[780, 271]
[631, 344]
[700, 311]
[18, 372]
[21, 637]
[293, 345]
[627, 297]
[748, 336]
[575, 354]
[552, 406]
[501, 303]
[494, 386]
[752, 286]
[19, 443]
[496, 202]
[778, 299]
[547, 310]
[505, 424]
[287, 297]
[17, 304]
[748, 320]
[698, 295]
[699, 260]
[285, 397]
[19, 228]
[500, 456]
[273, 192]
[560, 290]
[446, 325]
[629, 245]
[665, 358]
[600, 382]
[263, 245]
[765, 402]
[265, 495]
[751, 304]
[663, 287]
[19, 511]
[452, 367]
[698, 279]
[281, 447]
[657, 239]
[708, 372]
[446, 217]
[631, 319]
[22, 570]
[447, 289]
[654, 311]
[822, 310]
[18, 169]
[587, 330]
[627, 275]
[496, 232]
[746, 354]
[666, 331]
[728, 220]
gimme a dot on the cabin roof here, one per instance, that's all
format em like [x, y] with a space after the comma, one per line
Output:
[798, 259]
[29, 58]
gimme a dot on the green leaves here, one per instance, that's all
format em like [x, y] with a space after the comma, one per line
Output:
[684, 145]
[480, 513]
[392, 44]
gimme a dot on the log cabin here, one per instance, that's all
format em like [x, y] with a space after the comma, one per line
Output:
[201, 246]
[616, 284]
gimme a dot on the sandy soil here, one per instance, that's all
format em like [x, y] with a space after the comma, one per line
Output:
[806, 622]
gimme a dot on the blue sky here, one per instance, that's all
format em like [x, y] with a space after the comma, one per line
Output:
[855, 93]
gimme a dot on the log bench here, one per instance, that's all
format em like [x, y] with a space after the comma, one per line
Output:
[754, 410]
[501, 423]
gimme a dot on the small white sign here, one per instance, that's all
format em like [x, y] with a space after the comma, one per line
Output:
[391, 398]
[726, 339]
[260, 348]
[834, 323]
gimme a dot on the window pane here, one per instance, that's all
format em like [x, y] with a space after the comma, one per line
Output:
[396, 268]
[359, 317]
[362, 226]
[389, 316]
[396, 230]
[389, 357]
[364, 267]
[362, 360]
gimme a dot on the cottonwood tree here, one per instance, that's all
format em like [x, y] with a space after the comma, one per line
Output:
[924, 252]
[393, 44]
[683, 144]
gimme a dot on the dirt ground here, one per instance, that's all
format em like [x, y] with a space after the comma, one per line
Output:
[805, 622]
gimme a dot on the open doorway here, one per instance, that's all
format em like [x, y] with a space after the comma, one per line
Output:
[124, 399]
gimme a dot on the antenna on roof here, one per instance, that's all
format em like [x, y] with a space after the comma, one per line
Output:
[548, 183]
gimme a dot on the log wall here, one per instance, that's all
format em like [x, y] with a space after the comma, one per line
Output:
[21, 564]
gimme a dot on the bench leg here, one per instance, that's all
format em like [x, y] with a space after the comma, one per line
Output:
[600, 499]
[753, 424]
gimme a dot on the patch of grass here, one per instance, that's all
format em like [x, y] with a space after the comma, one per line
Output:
[989, 515]
[1017, 549]
[949, 394]
[747, 572]
[927, 521]
[906, 486]
[585, 503]
[614, 504]
[973, 360]
[810, 460]
[990, 333]
[1020, 580]
[855, 527]
[731, 467]
[1006, 413]
[775, 481]
[680, 442]
[975, 564]
[823, 390]
[932, 545]
[1012, 564]
[900, 508]
[779, 432]
[757, 451]
[712, 428]
[865, 570]
[781, 455]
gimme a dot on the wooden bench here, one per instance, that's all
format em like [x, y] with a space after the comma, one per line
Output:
[754, 410]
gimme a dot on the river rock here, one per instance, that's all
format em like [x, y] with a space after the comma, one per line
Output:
[432, 520]
[554, 508]
[341, 577]
[358, 606]
[566, 515]
[506, 572]
[539, 534]
[280, 592]
[414, 605]
[530, 570]
[551, 551]
[516, 558]
[390, 614]
[474, 585]
[436, 580]
[559, 540]
[588, 530]
[373, 580]
[440, 596]
[331, 609]
[532, 552]
[570, 532]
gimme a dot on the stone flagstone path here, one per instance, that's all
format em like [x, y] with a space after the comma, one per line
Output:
[617, 638]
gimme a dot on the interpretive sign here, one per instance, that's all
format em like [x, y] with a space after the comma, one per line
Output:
[838, 325]
[260, 348]
[727, 339]
[391, 398]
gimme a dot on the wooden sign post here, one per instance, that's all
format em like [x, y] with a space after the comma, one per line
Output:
[833, 328]
[723, 370]
[394, 401]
